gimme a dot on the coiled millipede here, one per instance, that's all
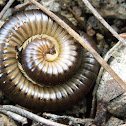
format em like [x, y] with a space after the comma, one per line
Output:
[41, 66]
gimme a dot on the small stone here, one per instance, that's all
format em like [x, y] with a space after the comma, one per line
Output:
[82, 18]
[6, 121]
[109, 90]
[114, 122]
[99, 36]
[51, 5]
[117, 106]
[2, 2]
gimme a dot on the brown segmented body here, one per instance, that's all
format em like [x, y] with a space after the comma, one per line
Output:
[54, 71]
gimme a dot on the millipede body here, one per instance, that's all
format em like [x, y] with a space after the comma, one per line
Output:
[41, 66]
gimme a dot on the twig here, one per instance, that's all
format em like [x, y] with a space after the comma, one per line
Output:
[109, 54]
[10, 2]
[15, 116]
[30, 115]
[106, 58]
[123, 35]
[100, 18]
[19, 6]
[73, 120]
[83, 42]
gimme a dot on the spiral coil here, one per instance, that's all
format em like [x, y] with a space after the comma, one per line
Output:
[53, 69]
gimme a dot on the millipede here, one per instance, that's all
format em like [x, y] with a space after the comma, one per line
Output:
[42, 67]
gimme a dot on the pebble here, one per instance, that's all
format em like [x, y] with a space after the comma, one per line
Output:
[2, 2]
[113, 121]
[51, 5]
[6, 121]
[117, 106]
[109, 90]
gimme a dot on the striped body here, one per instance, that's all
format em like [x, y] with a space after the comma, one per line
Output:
[54, 70]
